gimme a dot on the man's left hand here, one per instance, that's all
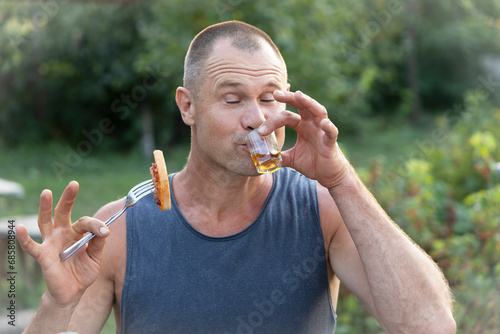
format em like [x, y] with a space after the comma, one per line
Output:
[316, 153]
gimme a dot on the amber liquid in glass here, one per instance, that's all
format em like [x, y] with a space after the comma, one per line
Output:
[267, 163]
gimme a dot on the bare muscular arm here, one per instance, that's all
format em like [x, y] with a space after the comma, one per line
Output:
[396, 281]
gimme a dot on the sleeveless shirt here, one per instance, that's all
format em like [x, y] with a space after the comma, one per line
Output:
[269, 278]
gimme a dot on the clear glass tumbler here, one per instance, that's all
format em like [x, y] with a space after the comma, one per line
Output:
[265, 152]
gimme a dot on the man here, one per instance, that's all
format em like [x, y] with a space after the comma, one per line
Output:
[239, 252]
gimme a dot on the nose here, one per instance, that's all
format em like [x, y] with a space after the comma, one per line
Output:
[253, 117]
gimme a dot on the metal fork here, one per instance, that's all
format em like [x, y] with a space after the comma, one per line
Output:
[133, 196]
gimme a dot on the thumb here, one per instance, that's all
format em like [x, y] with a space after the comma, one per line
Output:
[287, 158]
[26, 242]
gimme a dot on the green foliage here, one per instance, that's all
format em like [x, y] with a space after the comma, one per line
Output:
[446, 196]
[65, 67]
[352, 318]
[77, 73]
[58, 88]
[453, 37]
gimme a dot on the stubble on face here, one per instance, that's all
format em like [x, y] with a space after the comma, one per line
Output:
[233, 81]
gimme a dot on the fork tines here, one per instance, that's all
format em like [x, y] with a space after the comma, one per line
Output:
[144, 183]
[143, 188]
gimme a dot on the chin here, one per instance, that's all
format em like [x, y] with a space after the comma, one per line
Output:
[244, 169]
[249, 172]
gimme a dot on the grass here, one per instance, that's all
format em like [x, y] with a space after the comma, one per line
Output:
[105, 176]
[102, 177]
[385, 139]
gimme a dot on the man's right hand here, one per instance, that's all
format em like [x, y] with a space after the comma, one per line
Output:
[66, 281]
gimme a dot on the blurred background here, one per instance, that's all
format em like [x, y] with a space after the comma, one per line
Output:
[87, 92]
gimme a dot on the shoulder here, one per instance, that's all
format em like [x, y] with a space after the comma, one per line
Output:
[110, 209]
[301, 188]
[114, 253]
[98, 299]
[331, 220]
[296, 191]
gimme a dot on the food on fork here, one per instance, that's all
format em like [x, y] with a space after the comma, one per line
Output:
[160, 181]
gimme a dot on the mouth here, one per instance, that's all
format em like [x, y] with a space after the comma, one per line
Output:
[244, 147]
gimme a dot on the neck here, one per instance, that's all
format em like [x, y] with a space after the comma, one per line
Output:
[219, 203]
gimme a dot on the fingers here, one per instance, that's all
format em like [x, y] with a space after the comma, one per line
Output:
[95, 247]
[331, 132]
[308, 110]
[287, 158]
[90, 224]
[285, 118]
[101, 231]
[62, 215]
[306, 106]
[27, 244]
[45, 214]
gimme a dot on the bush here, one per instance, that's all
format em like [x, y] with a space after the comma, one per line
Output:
[449, 203]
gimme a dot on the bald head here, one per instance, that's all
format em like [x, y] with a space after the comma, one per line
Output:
[243, 37]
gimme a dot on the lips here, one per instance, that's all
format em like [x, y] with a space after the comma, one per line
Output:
[244, 147]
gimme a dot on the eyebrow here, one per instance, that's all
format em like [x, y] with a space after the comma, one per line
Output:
[224, 84]
[274, 83]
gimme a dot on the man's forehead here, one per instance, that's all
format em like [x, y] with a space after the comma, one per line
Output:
[225, 49]
[227, 58]
[230, 43]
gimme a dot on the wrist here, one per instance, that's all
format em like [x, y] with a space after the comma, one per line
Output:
[347, 177]
[49, 301]
[51, 316]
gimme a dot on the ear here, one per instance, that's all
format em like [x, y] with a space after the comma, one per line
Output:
[184, 100]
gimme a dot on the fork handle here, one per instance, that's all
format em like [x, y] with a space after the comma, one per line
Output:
[89, 236]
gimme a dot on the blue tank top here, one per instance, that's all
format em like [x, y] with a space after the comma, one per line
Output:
[269, 278]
